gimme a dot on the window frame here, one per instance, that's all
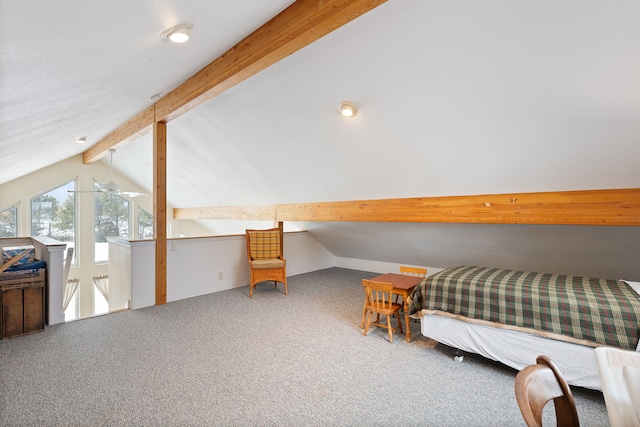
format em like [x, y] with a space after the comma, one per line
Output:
[74, 181]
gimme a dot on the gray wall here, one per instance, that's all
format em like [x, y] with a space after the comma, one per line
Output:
[610, 252]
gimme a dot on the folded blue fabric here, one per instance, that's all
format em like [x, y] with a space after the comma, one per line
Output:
[33, 265]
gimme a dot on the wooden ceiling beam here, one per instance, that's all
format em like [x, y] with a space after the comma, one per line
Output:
[300, 24]
[129, 131]
[160, 208]
[250, 212]
[589, 207]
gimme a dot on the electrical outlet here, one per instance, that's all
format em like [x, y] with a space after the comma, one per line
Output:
[174, 246]
[220, 275]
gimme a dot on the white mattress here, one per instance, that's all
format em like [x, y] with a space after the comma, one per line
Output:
[577, 363]
[620, 373]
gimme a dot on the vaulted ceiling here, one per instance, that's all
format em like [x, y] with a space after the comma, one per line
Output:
[455, 98]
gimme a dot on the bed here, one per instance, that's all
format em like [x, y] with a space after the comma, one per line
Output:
[513, 316]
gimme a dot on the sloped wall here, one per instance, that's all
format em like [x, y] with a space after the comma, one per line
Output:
[610, 252]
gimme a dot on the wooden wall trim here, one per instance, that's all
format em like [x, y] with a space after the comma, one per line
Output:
[588, 207]
[300, 24]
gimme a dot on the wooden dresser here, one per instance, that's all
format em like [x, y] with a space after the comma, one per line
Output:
[22, 302]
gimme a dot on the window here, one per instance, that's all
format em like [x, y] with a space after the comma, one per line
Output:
[145, 224]
[9, 222]
[53, 214]
[111, 219]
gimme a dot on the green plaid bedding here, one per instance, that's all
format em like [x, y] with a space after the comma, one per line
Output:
[602, 311]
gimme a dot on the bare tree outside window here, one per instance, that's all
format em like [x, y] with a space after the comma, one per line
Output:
[145, 224]
[9, 222]
[111, 219]
[53, 215]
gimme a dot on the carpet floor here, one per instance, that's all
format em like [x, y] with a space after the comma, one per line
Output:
[223, 359]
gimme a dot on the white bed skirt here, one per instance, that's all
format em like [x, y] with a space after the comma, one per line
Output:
[576, 362]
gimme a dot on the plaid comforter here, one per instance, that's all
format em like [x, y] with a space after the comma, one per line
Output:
[601, 311]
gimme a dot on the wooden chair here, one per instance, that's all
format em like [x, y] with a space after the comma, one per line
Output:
[412, 271]
[378, 301]
[536, 385]
[266, 263]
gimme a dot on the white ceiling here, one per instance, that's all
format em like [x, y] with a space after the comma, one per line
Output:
[455, 97]
[75, 68]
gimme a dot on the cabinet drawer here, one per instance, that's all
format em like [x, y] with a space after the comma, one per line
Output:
[12, 304]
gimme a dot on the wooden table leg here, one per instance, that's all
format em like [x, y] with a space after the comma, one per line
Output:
[405, 307]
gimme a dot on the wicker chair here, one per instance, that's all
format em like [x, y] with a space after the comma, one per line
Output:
[538, 384]
[266, 263]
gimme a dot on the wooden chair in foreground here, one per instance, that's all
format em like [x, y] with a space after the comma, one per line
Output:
[378, 301]
[536, 385]
[266, 262]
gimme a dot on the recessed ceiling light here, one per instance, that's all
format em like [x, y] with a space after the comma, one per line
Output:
[348, 109]
[81, 140]
[178, 33]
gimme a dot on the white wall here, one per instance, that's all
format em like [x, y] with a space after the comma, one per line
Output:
[119, 274]
[198, 266]
[203, 265]
[143, 274]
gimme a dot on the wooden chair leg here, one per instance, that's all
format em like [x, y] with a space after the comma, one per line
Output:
[364, 314]
[367, 323]
[286, 289]
[389, 330]
[399, 322]
[251, 291]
